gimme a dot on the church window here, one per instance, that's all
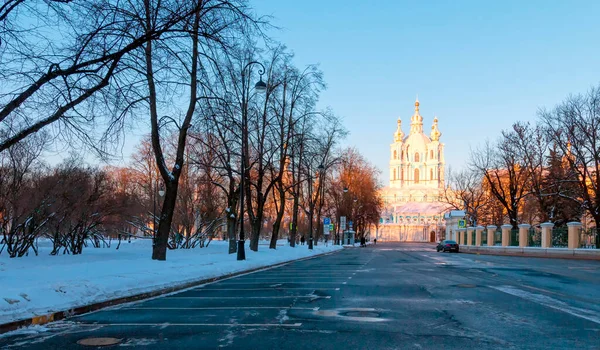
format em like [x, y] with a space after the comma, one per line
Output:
[395, 155]
[394, 174]
[402, 175]
[431, 154]
[403, 155]
[416, 176]
[416, 156]
[430, 174]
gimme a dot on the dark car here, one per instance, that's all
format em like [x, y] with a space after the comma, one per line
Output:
[447, 246]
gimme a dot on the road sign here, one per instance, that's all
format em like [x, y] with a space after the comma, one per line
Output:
[331, 227]
[343, 223]
[462, 223]
[326, 221]
[350, 225]
[326, 230]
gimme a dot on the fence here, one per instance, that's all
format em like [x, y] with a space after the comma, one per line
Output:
[514, 237]
[589, 239]
[560, 237]
[535, 237]
[498, 237]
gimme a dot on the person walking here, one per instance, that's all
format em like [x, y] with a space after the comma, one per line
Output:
[302, 240]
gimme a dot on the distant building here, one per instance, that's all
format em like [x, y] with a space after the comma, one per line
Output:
[413, 210]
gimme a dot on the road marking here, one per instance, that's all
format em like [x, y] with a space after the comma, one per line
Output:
[273, 288]
[552, 303]
[247, 297]
[168, 324]
[295, 277]
[225, 308]
[281, 282]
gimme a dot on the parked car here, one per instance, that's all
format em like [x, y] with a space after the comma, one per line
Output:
[447, 246]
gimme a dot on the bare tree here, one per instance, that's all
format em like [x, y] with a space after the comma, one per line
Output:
[20, 200]
[464, 191]
[504, 174]
[574, 127]
[62, 59]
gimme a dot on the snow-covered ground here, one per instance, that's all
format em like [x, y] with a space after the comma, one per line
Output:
[38, 285]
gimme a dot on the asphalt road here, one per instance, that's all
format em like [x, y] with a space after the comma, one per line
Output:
[389, 296]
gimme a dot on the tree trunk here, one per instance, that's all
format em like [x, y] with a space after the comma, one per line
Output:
[254, 235]
[231, 233]
[278, 219]
[294, 229]
[257, 222]
[159, 249]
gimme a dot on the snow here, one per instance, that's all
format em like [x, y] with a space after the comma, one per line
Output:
[39, 285]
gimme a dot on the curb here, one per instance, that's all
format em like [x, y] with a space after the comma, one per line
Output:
[59, 315]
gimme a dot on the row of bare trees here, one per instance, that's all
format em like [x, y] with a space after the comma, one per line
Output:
[84, 72]
[71, 205]
[536, 172]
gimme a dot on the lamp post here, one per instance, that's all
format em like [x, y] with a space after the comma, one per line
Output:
[259, 86]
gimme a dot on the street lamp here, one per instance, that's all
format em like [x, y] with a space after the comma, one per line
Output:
[260, 86]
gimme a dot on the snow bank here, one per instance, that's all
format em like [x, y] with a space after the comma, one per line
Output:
[38, 285]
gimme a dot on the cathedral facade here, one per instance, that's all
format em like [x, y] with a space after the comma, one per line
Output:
[413, 207]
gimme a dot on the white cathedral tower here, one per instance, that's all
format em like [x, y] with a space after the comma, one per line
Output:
[413, 198]
[417, 161]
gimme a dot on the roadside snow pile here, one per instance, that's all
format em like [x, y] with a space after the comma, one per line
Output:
[38, 285]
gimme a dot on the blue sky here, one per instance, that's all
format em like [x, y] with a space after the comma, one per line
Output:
[478, 65]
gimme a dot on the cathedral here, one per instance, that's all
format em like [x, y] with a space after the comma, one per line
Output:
[413, 210]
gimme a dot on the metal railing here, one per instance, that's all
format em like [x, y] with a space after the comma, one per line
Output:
[535, 237]
[484, 237]
[498, 237]
[514, 237]
[560, 237]
[589, 239]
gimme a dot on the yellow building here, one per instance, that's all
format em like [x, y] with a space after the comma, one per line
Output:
[412, 201]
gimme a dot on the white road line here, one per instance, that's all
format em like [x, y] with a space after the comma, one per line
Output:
[168, 324]
[552, 303]
[304, 275]
[294, 276]
[264, 282]
[291, 279]
[272, 288]
[247, 297]
[225, 308]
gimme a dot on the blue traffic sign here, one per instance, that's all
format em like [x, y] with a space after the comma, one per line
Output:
[326, 221]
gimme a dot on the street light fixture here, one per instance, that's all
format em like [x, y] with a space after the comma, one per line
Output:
[260, 86]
